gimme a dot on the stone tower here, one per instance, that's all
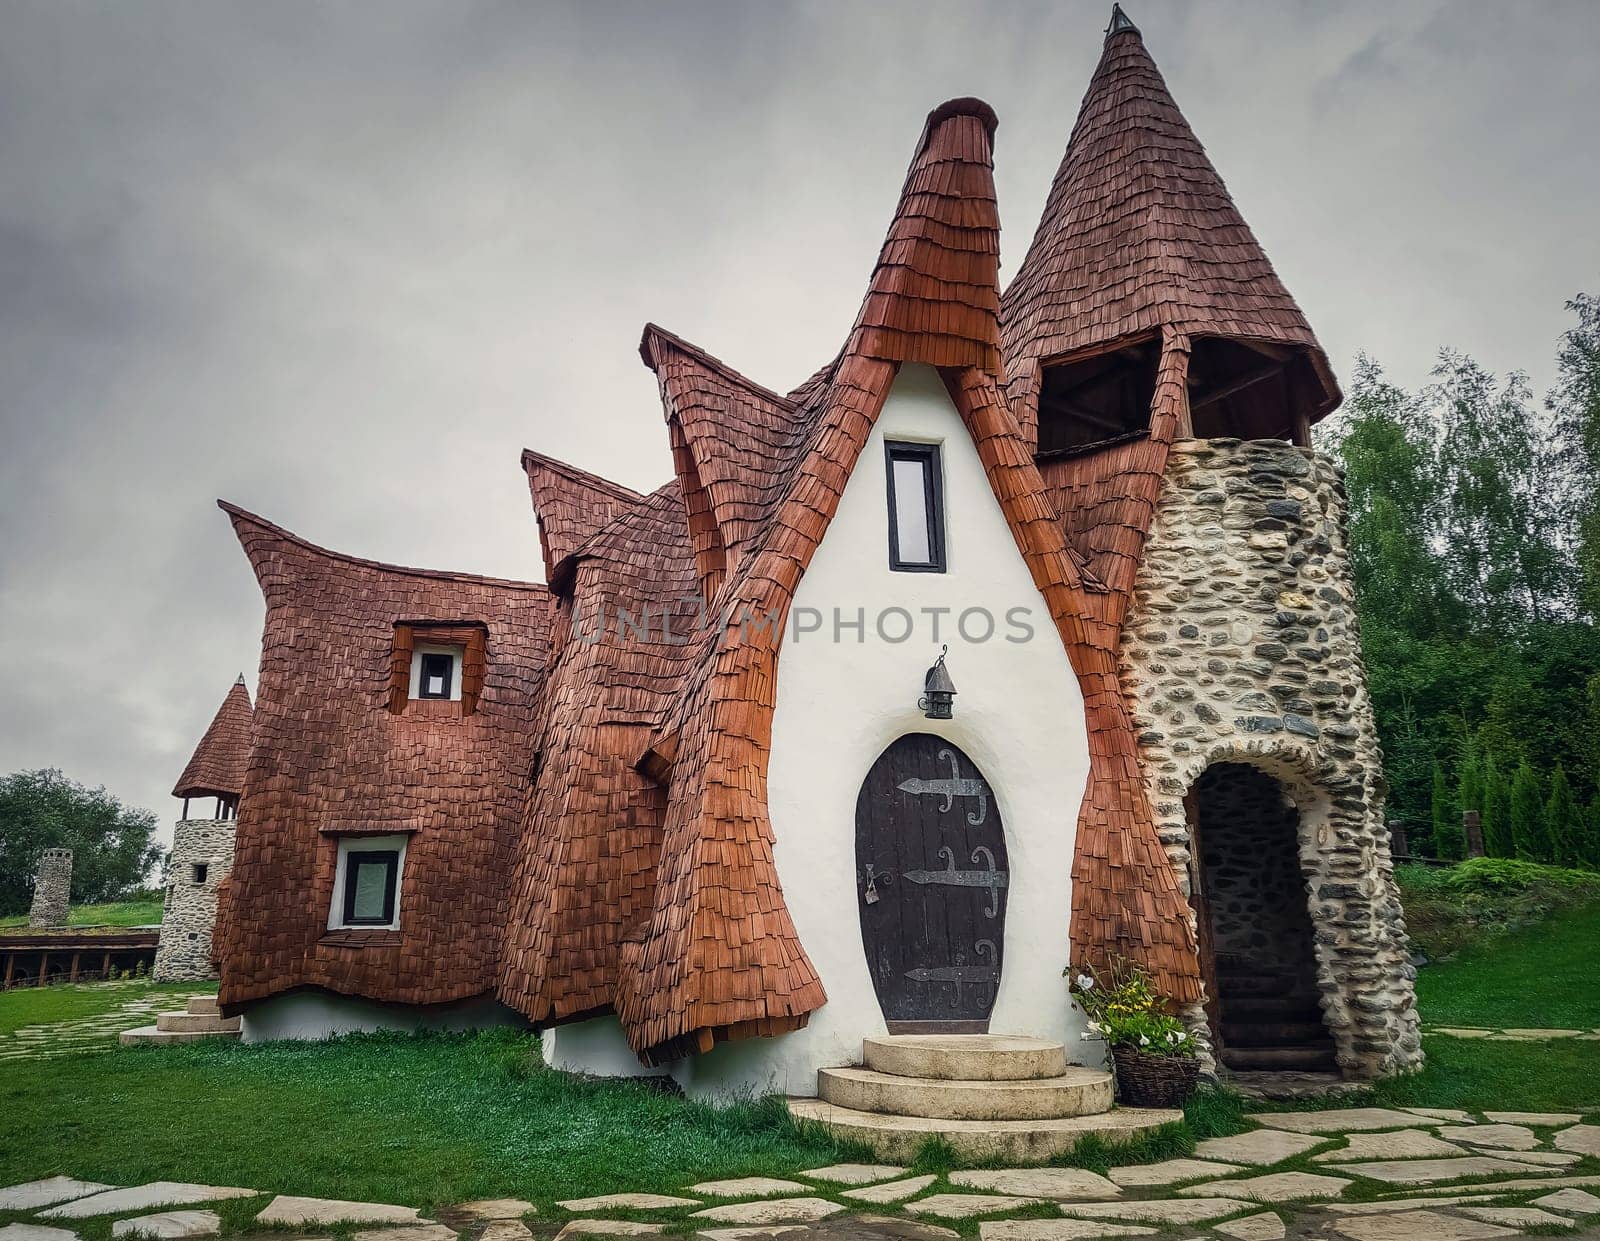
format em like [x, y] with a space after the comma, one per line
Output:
[1170, 384]
[202, 848]
[52, 889]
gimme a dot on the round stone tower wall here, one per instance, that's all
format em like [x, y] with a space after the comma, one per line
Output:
[1243, 648]
[202, 854]
[52, 889]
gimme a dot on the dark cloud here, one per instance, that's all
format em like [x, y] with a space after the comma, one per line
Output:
[341, 262]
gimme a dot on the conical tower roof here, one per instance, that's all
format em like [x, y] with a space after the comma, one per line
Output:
[217, 766]
[1140, 238]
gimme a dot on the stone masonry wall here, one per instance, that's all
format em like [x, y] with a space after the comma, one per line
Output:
[52, 889]
[1243, 647]
[189, 914]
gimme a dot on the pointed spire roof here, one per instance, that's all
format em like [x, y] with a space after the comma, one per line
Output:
[572, 505]
[934, 295]
[217, 766]
[1139, 234]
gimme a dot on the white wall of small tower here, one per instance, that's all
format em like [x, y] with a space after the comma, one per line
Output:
[189, 912]
[1243, 646]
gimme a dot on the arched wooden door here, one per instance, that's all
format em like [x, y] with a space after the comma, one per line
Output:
[931, 883]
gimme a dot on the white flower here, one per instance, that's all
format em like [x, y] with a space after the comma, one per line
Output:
[1085, 982]
[1094, 1027]
[1143, 1041]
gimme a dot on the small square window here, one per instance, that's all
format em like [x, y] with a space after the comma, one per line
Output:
[916, 508]
[199, 872]
[436, 672]
[370, 878]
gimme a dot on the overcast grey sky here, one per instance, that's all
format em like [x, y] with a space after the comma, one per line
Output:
[341, 262]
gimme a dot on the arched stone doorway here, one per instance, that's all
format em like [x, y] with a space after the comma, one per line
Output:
[1256, 938]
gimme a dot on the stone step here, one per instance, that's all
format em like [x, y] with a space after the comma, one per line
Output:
[1273, 1033]
[150, 1034]
[1312, 1058]
[204, 1006]
[1276, 1008]
[899, 1138]
[965, 1057]
[1077, 1092]
[196, 1023]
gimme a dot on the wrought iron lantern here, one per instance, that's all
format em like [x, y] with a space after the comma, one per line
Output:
[938, 690]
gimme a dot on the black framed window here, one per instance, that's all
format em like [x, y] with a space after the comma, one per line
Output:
[370, 877]
[199, 872]
[916, 507]
[434, 675]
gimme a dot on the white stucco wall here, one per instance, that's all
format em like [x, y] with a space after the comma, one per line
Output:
[597, 1047]
[323, 1014]
[1018, 715]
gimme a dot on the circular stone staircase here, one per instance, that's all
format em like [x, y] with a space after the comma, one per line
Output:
[989, 1096]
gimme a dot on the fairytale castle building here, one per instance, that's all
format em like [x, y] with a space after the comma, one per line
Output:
[702, 803]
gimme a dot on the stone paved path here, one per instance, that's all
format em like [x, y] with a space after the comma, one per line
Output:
[94, 1033]
[1381, 1174]
[1511, 1034]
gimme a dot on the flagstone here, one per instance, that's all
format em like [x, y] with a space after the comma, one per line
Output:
[32, 1195]
[1264, 1227]
[1504, 1137]
[1170, 1172]
[1546, 1180]
[753, 1234]
[496, 1208]
[1055, 1230]
[1261, 1146]
[1546, 1119]
[1157, 1210]
[1401, 1204]
[1273, 1187]
[626, 1202]
[1575, 1201]
[856, 1173]
[142, 1197]
[1584, 1139]
[890, 1191]
[1395, 1144]
[964, 1206]
[748, 1187]
[1423, 1171]
[1537, 1036]
[1334, 1120]
[1517, 1217]
[912, 1229]
[1441, 1113]
[772, 1211]
[506, 1230]
[171, 1225]
[293, 1211]
[1039, 1183]
[414, 1232]
[1551, 1159]
[1463, 1031]
[1416, 1226]
[609, 1228]
[35, 1232]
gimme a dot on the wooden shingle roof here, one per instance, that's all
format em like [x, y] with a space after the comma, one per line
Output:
[216, 769]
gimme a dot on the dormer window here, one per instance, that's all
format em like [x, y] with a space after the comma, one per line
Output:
[436, 672]
[916, 508]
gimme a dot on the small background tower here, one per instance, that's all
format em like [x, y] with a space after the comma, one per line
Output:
[202, 848]
[52, 889]
[1170, 384]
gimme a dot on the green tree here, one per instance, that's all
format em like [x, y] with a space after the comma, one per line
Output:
[1448, 841]
[1529, 837]
[1575, 402]
[1563, 820]
[1496, 810]
[112, 852]
[1589, 844]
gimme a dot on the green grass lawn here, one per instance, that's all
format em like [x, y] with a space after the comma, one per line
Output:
[29, 1006]
[143, 912]
[1545, 975]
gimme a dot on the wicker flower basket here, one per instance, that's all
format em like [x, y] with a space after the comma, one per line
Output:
[1153, 1081]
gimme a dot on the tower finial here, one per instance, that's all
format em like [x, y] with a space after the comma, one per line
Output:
[1120, 21]
[240, 681]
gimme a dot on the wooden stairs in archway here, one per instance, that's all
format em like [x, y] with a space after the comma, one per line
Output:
[988, 1096]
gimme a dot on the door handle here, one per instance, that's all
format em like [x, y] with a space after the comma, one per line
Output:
[874, 878]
